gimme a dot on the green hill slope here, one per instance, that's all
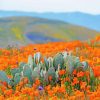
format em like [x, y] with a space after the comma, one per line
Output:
[24, 30]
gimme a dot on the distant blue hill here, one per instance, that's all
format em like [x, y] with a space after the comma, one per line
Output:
[77, 18]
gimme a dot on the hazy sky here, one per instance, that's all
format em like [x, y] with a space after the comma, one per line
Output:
[88, 6]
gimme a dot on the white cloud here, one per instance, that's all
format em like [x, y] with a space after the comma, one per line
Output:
[88, 6]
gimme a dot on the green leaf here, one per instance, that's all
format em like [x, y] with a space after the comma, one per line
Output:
[58, 60]
[21, 66]
[27, 72]
[85, 65]
[30, 61]
[35, 75]
[3, 77]
[14, 71]
[17, 78]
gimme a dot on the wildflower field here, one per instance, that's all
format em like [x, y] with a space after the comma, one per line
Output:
[51, 71]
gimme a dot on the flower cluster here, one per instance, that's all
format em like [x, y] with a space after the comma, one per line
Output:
[78, 85]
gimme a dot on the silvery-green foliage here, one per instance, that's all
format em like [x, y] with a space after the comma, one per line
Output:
[30, 61]
[35, 75]
[37, 69]
[69, 63]
[50, 62]
[65, 54]
[22, 74]
[85, 65]
[46, 63]
[51, 72]
[43, 72]
[26, 66]
[27, 72]
[58, 60]
[21, 65]
[14, 71]
[70, 67]
[37, 57]
[57, 74]
[11, 82]
[91, 72]
[77, 63]
[3, 77]
[17, 78]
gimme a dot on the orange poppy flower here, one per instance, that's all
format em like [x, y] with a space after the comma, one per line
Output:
[8, 92]
[75, 81]
[74, 72]
[50, 93]
[83, 85]
[80, 74]
[36, 93]
[62, 72]
[37, 82]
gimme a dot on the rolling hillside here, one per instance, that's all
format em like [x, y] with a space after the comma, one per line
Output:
[24, 30]
[77, 18]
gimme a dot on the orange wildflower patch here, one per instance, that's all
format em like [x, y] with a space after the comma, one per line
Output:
[70, 86]
[80, 74]
[75, 81]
